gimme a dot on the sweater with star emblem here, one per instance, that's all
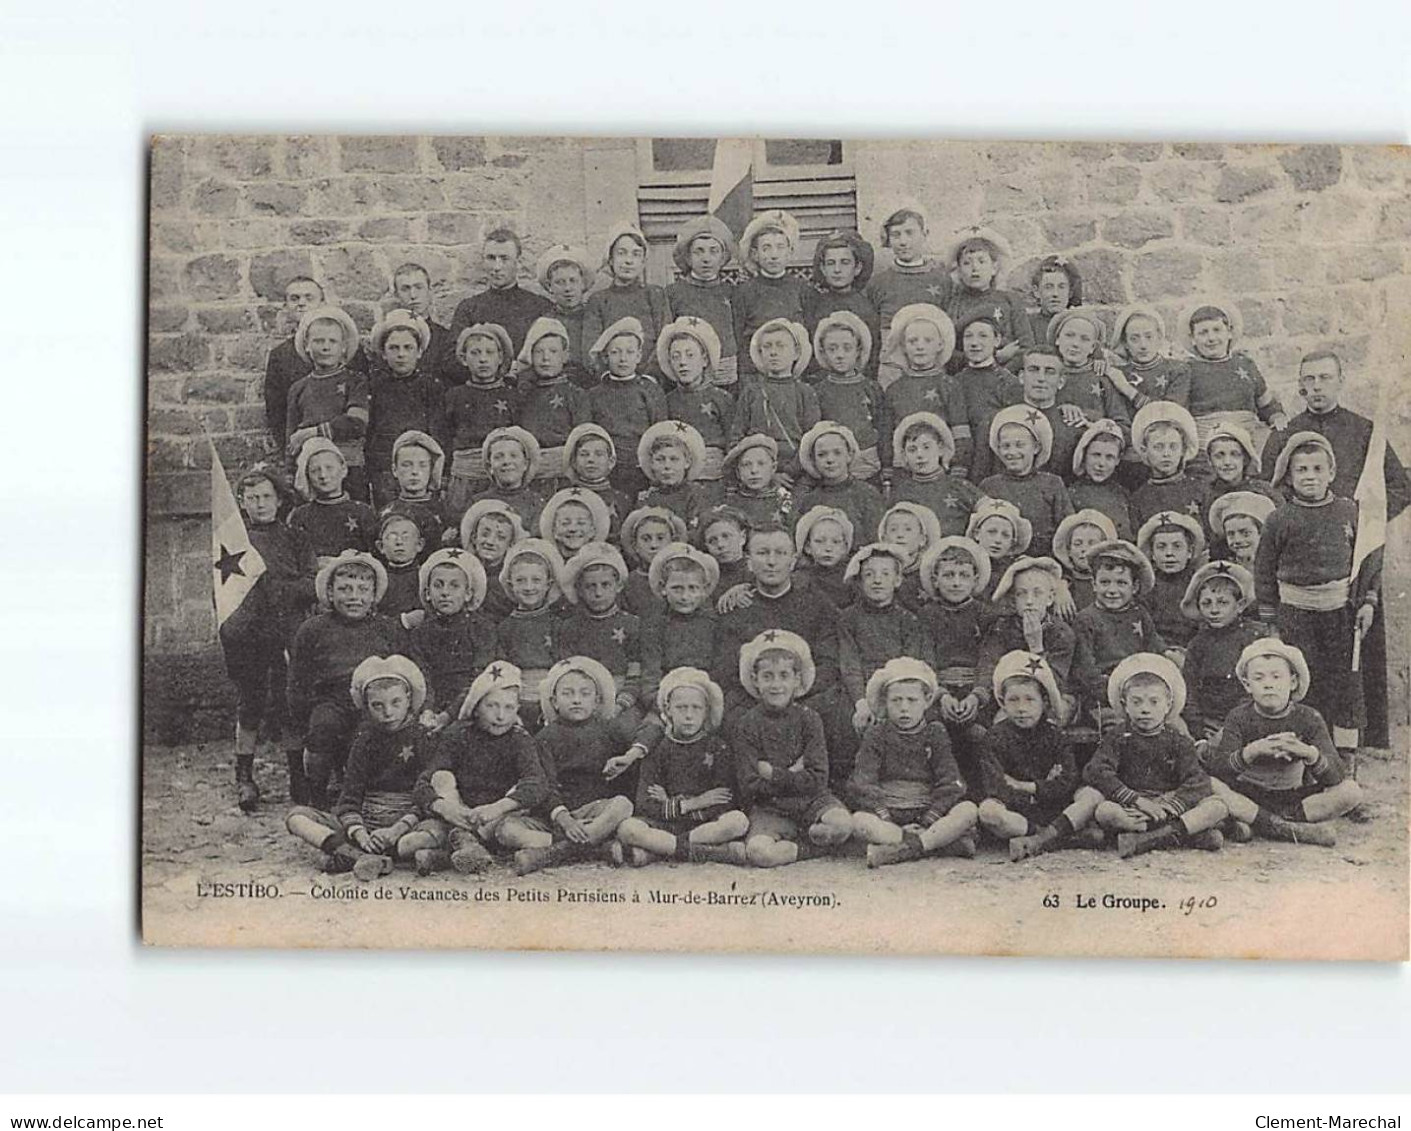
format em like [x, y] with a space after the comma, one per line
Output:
[860, 501]
[1164, 379]
[1029, 755]
[1306, 544]
[573, 755]
[473, 411]
[383, 761]
[283, 368]
[791, 741]
[529, 638]
[526, 500]
[487, 767]
[451, 651]
[337, 404]
[613, 638]
[642, 301]
[1040, 496]
[683, 770]
[626, 407]
[1164, 765]
[854, 402]
[869, 636]
[934, 392]
[903, 284]
[986, 389]
[512, 307]
[711, 302]
[705, 408]
[1212, 688]
[949, 498]
[284, 594]
[577, 368]
[1096, 396]
[1178, 492]
[331, 526]
[1105, 637]
[922, 756]
[550, 410]
[1231, 384]
[819, 302]
[1005, 307]
[774, 504]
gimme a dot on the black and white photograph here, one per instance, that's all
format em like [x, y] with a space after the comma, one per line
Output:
[790, 544]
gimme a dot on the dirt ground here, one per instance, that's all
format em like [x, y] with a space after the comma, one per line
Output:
[1248, 900]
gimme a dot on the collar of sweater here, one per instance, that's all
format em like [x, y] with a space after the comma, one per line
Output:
[1325, 413]
[954, 606]
[868, 607]
[630, 285]
[991, 364]
[1163, 480]
[697, 281]
[615, 377]
[341, 497]
[765, 278]
[1324, 501]
[530, 614]
[912, 266]
[1129, 607]
[550, 382]
[497, 383]
[1263, 714]
[929, 477]
[967, 291]
[934, 371]
[331, 373]
[843, 378]
[1196, 355]
[422, 498]
[593, 484]
[612, 612]
[788, 586]
[676, 738]
[917, 729]
[1143, 366]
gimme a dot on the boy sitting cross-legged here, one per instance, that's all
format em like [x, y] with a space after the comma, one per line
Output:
[1030, 775]
[781, 756]
[687, 791]
[910, 797]
[375, 820]
[1276, 768]
[484, 774]
[582, 806]
[1157, 794]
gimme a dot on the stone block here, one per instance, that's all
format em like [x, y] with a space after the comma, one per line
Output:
[1064, 230]
[250, 234]
[384, 229]
[177, 493]
[1142, 151]
[343, 196]
[1276, 222]
[1306, 313]
[275, 198]
[1114, 184]
[167, 167]
[210, 278]
[244, 352]
[174, 235]
[1312, 168]
[1102, 276]
[184, 353]
[166, 319]
[173, 422]
[1363, 264]
[1394, 220]
[509, 161]
[1137, 229]
[1206, 225]
[217, 388]
[1169, 272]
[308, 157]
[412, 194]
[243, 158]
[169, 455]
[317, 232]
[454, 228]
[1240, 182]
[225, 319]
[378, 154]
[1178, 182]
[457, 153]
[353, 273]
[1238, 272]
[215, 198]
[1258, 317]
[270, 272]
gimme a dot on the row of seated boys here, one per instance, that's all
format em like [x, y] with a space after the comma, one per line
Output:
[763, 791]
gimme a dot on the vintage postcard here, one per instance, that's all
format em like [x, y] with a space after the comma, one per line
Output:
[813, 545]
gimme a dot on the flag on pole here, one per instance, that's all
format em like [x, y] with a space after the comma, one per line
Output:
[1371, 496]
[236, 562]
[732, 183]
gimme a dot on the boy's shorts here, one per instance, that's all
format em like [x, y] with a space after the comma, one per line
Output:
[766, 820]
[1285, 803]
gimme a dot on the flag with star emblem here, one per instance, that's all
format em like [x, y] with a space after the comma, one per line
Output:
[237, 565]
[732, 184]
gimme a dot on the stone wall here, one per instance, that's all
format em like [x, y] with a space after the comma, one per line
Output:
[1312, 244]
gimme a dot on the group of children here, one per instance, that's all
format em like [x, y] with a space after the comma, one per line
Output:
[706, 577]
